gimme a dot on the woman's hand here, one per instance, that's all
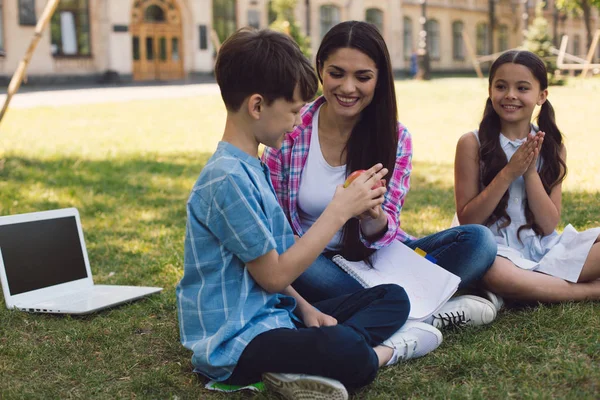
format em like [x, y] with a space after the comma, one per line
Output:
[373, 213]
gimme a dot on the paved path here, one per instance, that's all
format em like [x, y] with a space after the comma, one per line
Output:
[63, 95]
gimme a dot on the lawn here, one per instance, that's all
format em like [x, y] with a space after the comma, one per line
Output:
[128, 168]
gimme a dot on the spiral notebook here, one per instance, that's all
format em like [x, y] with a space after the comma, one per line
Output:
[427, 285]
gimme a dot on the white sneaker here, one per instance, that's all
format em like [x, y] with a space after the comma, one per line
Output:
[305, 387]
[464, 310]
[496, 300]
[413, 340]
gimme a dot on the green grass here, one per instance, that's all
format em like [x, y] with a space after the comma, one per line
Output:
[128, 168]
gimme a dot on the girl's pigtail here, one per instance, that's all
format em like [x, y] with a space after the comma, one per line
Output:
[492, 159]
[552, 167]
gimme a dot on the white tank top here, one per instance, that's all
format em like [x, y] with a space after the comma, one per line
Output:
[317, 185]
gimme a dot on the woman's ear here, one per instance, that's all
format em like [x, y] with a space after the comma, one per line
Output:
[255, 105]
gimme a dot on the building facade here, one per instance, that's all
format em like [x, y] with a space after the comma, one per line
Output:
[175, 39]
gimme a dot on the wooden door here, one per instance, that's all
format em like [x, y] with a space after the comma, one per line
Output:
[156, 40]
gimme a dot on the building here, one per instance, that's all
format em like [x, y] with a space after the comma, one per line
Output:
[174, 39]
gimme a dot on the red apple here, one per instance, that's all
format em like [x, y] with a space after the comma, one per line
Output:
[356, 173]
[352, 177]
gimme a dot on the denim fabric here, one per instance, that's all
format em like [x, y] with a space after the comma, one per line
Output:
[467, 251]
[344, 352]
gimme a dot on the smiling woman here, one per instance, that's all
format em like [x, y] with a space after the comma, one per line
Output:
[354, 126]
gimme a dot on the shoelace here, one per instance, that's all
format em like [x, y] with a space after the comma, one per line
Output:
[453, 319]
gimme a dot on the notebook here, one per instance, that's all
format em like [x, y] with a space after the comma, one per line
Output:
[427, 285]
[44, 266]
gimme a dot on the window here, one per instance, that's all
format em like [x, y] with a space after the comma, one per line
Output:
[375, 17]
[433, 38]
[502, 38]
[175, 49]
[224, 18]
[254, 18]
[482, 39]
[136, 48]
[330, 16]
[576, 45]
[154, 13]
[458, 47]
[27, 12]
[70, 29]
[272, 16]
[1, 28]
[407, 40]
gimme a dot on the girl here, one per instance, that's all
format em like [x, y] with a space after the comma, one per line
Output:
[352, 126]
[508, 176]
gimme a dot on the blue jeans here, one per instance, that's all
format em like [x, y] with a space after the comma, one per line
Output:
[467, 251]
[344, 352]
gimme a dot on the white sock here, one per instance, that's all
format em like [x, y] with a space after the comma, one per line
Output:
[394, 358]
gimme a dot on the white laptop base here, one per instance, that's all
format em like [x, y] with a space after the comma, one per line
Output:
[44, 266]
[90, 300]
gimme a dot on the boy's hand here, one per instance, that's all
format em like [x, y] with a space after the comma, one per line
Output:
[532, 169]
[315, 318]
[359, 197]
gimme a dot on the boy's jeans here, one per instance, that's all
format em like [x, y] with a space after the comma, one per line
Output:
[344, 352]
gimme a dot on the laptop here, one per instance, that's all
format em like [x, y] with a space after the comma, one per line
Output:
[44, 266]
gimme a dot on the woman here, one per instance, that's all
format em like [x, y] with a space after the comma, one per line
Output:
[354, 126]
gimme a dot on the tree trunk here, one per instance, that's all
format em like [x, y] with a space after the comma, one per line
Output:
[587, 16]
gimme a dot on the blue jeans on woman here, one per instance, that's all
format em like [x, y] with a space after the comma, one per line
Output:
[467, 251]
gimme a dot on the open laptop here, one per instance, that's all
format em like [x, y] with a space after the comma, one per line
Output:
[44, 266]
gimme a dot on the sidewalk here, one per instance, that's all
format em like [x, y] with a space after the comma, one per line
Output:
[64, 95]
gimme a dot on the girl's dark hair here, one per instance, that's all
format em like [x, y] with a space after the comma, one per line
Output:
[491, 156]
[374, 139]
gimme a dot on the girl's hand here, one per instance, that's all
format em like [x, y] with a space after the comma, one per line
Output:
[359, 197]
[315, 318]
[532, 169]
[521, 160]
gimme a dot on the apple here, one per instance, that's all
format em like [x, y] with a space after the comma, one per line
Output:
[355, 175]
[352, 177]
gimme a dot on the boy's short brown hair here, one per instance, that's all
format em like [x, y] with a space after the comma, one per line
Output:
[265, 62]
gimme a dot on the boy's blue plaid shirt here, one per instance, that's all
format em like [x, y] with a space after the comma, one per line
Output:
[233, 218]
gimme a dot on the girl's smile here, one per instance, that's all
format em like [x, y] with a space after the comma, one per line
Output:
[514, 93]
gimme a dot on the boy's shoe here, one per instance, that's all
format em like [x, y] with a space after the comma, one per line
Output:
[464, 310]
[304, 387]
[414, 339]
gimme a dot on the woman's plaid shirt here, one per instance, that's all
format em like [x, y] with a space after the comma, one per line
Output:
[287, 163]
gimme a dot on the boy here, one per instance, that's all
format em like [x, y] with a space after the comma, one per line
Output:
[237, 310]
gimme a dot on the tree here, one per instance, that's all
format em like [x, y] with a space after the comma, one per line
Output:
[538, 41]
[581, 7]
[286, 22]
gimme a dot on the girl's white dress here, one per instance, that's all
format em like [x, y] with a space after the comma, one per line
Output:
[560, 255]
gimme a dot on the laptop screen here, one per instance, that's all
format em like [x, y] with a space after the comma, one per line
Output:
[39, 254]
